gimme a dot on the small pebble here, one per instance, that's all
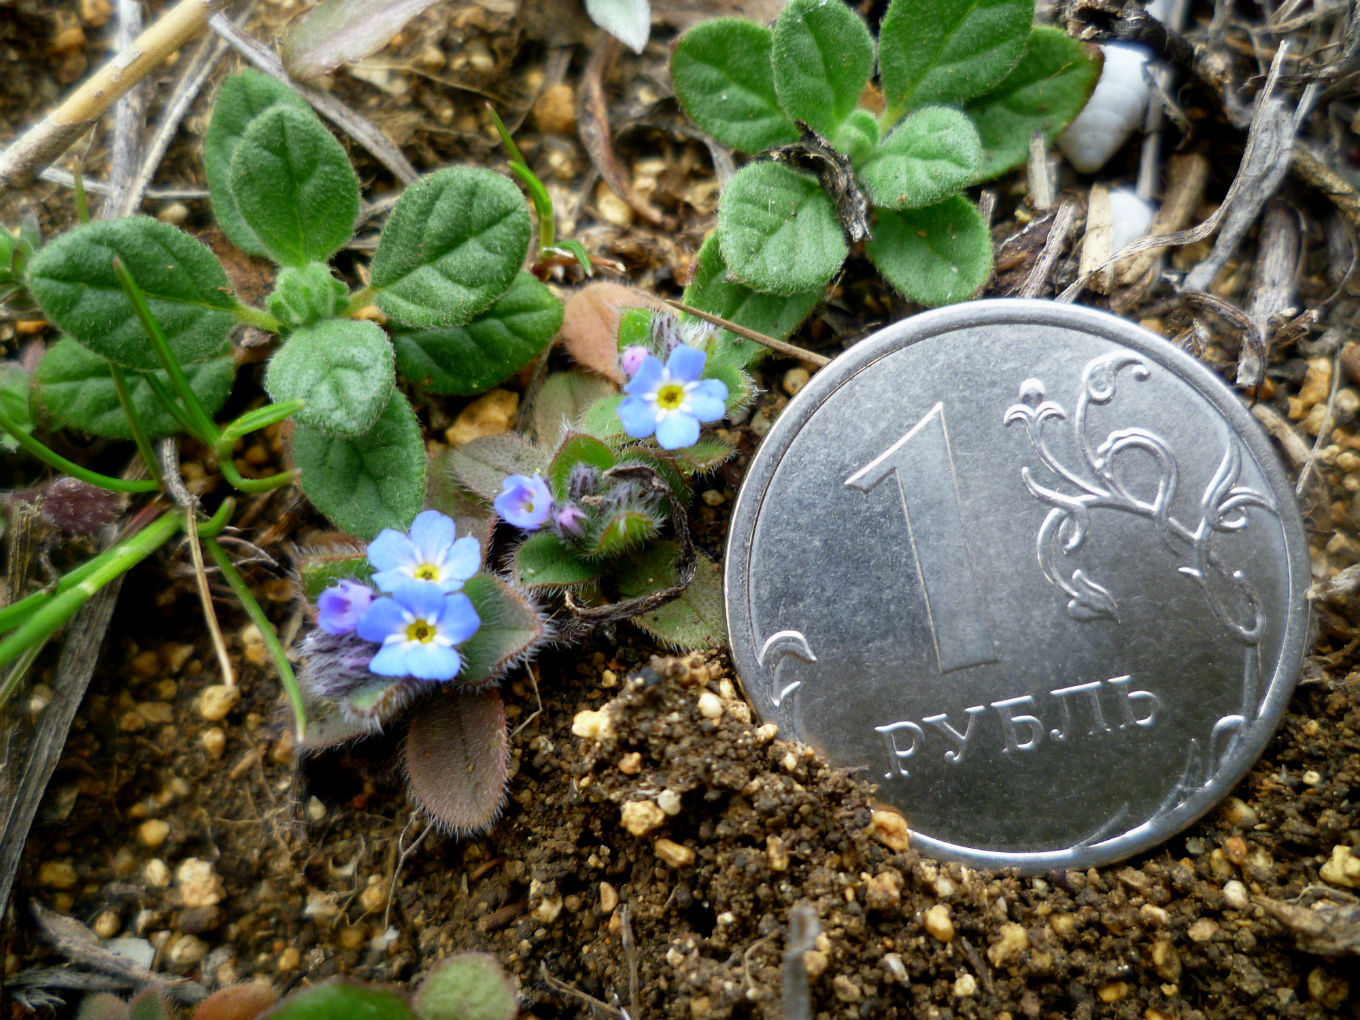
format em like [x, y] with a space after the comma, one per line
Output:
[641, 816]
[890, 829]
[175, 213]
[712, 497]
[1202, 930]
[214, 741]
[1113, 991]
[1235, 895]
[794, 380]
[374, 896]
[592, 725]
[555, 110]
[131, 722]
[316, 810]
[776, 853]
[668, 801]
[57, 874]
[1342, 868]
[289, 959]
[186, 950]
[815, 962]
[146, 662]
[630, 764]
[156, 873]
[965, 986]
[157, 712]
[490, 414]
[152, 832]
[609, 898]
[674, 854]
[613, 209]
[198, 883]
[1012, 941]
[217, 701]
[710, 705]
[938, 922]
[106, 924]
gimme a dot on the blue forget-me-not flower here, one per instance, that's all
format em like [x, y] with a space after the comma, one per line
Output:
[431, 552]
[418, 626]
[671, 400]
[524, 502]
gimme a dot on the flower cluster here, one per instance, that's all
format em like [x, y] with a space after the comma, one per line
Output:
[419, 612]
[671, 399]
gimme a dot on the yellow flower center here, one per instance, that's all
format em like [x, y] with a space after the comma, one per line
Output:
[670, 396]
[426, 572]
[420, 630]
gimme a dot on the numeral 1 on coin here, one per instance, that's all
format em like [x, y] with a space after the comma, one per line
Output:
[927, 485]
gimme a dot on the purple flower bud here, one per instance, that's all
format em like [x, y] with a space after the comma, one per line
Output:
[582, 480]
[632, 358]
[339, 608]
[570, 521]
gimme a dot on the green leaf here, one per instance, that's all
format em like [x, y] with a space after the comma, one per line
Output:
[946, 51]
[294, 187]
[342, 368]
[635, 327]
[706, 455]
[244, 97]
[482, 464]
[576, 449]
[936, 255]
[601, 419]
[858, 136]
[376, 699]
[454, 243]
[328, 727]
[185, 286]
[778, 230]
[470, 986]
[622, 533]
[776, 315]
[1044, 92]
[694, 620]
[723, 77]
[512, 627]
[545, 561]
[932, 154]
[339, 997]
[731, 375]
[822, 56]
[369, 482]
[76, 387]
[561, 401]
[476, 356]
[306, 294]
[15, 388]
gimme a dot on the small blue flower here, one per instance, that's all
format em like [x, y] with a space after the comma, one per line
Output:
[340, 607]
[524, 502]
[418, 627]
[671, 400]
[431, 552]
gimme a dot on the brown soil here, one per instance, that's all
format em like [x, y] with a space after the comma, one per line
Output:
[236, 861]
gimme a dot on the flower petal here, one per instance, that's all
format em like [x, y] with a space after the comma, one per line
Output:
[384, 617]
[391, 549]
[708, 399]
[676, 430]
[432, 662]
[638, 417]
[421, 598]
[686, 363]
[431, 534]
[458, 620]
[648, 376]
[390, 660]
[465, 558]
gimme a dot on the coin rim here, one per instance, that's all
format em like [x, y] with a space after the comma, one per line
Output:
[1102, 325]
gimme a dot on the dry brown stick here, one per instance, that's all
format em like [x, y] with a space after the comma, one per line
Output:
[1063, 222]
[129, 113]
[51, 136]
[1314, 171]
[793, 351]
[592, 124]
[1273, 283]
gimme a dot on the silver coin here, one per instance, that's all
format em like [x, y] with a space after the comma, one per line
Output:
[1034, 569]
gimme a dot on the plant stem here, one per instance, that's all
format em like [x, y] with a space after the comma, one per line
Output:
[257, 317]
[168, 400]
[244, 484]
[62, 605]
[204, 427]
[153, 466]
[359, 300]
[56, 460]
[271, 638]
[253, 421]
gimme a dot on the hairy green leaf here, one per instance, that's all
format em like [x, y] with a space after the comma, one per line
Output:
[369, 482]
[822, 56]
[931, 155]
[15, 388]
[694, 620]
[946, 51]
[457, 755]
[776, 315]
[472, 358]
[723, 77]
[303, 295]
[1044, 92]
[481, 465]
[512, 627]
[244, 97]
[576, 449]
[76, 387]
[778, 230]
[545, 561]
[337, 32]
[936, 255]
[561, 400]
[342, 368]
[602, 419]
[294, 187]
[185, 286]
[318, 571]
[857, 137]
[454, 243]
[621, 533]
[340, 997]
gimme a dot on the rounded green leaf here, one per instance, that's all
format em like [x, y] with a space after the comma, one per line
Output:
[776, 315]
[454, 243]
[294, 187]
[369, 482]
[936, 255]
[512, 627]
[496, 344]
[946, 51]
[778, 230]
[723, 77]
[342, 368]
[822, 57]
[545, 561]
[857, 137]
[1044, 92]
[339, 997]
[244, 97]
[696, 619]
[185, 286]
[931, 155]
[75, 386]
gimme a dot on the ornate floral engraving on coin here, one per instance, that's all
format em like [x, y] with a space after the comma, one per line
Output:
[1054, 629]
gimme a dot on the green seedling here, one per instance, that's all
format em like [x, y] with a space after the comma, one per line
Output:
[963, 88]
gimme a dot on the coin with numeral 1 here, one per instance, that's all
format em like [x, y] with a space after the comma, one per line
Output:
[1035, 571]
